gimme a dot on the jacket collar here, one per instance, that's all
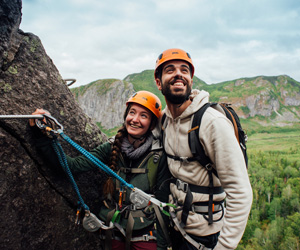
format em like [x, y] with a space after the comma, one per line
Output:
[199, 98]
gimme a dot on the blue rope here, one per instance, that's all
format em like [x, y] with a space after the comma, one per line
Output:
[95, 160]
[63, 162]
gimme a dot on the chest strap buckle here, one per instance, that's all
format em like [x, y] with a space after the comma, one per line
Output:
[181, 185]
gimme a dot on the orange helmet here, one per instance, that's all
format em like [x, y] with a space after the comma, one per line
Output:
[148, 100]
[173, 54]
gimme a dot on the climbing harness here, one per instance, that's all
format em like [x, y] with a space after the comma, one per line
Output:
[90, 222]
[196, 244]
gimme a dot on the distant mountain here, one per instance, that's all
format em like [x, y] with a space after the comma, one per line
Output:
[275, 99]
[267, 100]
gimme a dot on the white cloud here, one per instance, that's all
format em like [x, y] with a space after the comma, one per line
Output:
[91, 39]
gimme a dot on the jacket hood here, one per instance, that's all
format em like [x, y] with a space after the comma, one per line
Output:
[198, 97]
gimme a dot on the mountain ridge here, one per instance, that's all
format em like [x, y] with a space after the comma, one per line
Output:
[266, 100]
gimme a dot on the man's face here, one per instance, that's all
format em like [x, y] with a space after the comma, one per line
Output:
[176, 81]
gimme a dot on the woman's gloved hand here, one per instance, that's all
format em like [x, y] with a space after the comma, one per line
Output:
[37, 132]
[38, 112]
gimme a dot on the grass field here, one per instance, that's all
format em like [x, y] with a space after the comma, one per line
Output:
[285, 143]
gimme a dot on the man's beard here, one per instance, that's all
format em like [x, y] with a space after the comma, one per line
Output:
[176, 98]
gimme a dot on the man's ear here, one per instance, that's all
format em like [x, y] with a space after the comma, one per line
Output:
[158, 83]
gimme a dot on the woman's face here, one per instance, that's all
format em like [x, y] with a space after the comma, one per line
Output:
[138, 120]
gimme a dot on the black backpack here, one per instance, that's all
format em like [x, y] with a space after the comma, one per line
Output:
[194, 142]
[200, 156]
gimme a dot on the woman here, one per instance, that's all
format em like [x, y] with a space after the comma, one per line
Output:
[136, 155]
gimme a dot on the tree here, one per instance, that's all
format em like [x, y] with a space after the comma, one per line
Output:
[293, 221]
[274, 209]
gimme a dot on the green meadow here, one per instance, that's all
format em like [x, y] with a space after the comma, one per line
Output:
[274, 171]
[286, 144]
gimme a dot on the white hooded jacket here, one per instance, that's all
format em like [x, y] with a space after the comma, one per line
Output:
[218, 139]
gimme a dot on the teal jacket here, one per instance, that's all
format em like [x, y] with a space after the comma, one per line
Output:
[154, 182]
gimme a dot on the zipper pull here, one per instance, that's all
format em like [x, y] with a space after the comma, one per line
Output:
[121, 197]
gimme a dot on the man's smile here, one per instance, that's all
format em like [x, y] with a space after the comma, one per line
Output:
[178, 82]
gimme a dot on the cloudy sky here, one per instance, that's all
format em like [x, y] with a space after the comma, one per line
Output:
[227, 39]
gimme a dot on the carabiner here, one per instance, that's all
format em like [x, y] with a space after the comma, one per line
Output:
[50, 118]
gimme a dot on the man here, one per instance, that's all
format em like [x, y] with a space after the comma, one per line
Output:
[209, 225]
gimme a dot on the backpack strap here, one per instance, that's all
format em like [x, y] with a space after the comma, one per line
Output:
[133, 170]
[187, 237]
[195, 157]
[194, 141]
[163, 118]
[162, 224]
[238, 130]
[230, 116]
[163, 126]
[199, 153]
[152, 168]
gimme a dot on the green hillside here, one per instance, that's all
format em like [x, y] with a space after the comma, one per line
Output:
[102, 87]
[145, 81]
[243, 87]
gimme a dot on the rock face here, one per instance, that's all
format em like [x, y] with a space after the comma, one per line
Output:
[104, 101]
[38, 204]
[267, 100]
[276, 99]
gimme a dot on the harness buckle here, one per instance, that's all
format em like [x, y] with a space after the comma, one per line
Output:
[132, 207]
[181, 185]
[184, 159]
[126, 170]
[145, 237]
[208, 166]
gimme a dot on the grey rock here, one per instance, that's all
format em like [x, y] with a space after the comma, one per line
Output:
[38, 204]
[106, 107]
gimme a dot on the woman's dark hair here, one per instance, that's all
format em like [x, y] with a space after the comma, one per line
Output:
[108, 188]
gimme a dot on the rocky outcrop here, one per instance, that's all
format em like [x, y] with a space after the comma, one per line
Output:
[275, 100]
[104, 101]
[292, 100]
[267, 100]
[261, 104]
[37, 203]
